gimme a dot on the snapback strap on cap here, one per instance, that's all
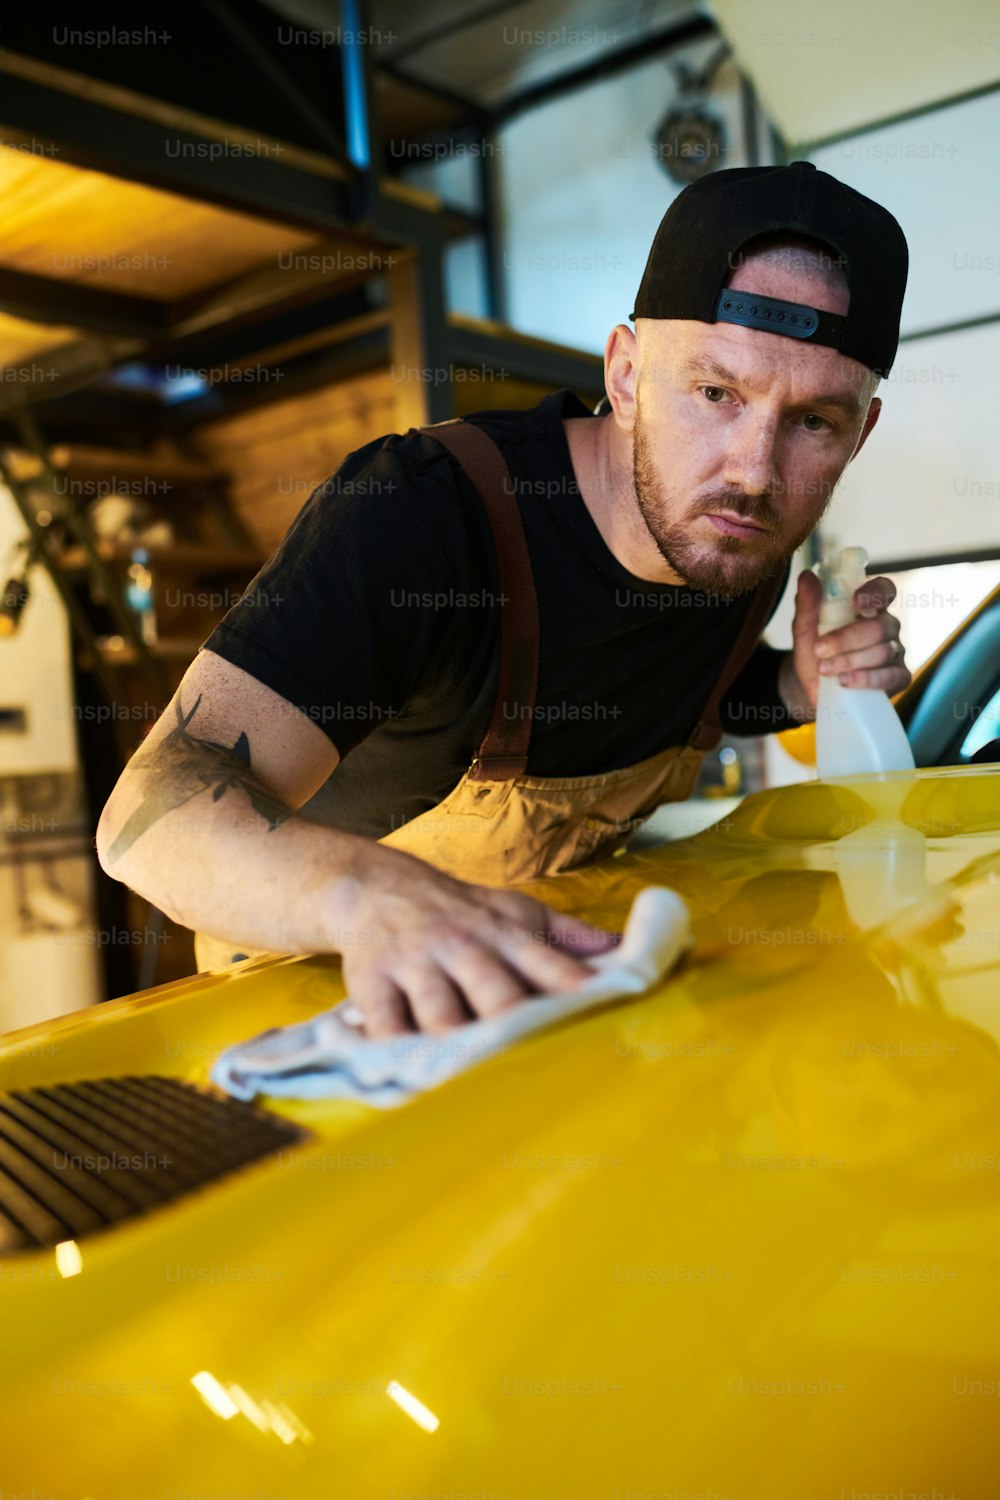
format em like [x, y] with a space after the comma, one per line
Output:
[794, 319]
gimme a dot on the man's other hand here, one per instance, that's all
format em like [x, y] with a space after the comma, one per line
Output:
[867, 653]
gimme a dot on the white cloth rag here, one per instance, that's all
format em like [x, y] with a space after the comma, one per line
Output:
[329, 1056]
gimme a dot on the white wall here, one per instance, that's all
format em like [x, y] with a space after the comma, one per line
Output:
[929, 479]
[939, 175]
[583, 193]
[48, 943]
[35, 669]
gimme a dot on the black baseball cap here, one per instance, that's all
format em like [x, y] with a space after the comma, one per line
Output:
[700, 235]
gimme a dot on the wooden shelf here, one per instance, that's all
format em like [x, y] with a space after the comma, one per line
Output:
[168, 648]
[182, 557]
[107, 464]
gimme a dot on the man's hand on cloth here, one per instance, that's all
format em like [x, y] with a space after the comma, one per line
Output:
[423, 951]
[868, 653]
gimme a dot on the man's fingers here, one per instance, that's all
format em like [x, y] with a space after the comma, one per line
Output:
[546, 967]
[436, 1004]
[452, 953]
[858, 636]
[574, 936]
[885, 654]
[552, 956]
[808, 596]
[482, 978]
[383, 1005]
[867, 654]
[875, 594]
[889, 679]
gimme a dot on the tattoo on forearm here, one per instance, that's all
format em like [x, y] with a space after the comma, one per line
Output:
[181, 772]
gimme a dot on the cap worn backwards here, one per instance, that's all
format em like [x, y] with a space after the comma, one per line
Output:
[702, 232]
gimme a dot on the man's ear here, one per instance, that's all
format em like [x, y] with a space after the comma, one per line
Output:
[873, 414]
[621, 374]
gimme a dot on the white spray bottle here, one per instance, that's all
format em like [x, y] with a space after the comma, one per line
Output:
[858, 732]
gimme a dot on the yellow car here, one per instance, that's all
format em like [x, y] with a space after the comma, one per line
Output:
[739, 1237]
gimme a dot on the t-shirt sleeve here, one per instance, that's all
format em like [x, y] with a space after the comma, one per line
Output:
[341, 620]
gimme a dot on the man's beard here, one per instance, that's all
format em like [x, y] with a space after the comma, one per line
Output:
[728, 565]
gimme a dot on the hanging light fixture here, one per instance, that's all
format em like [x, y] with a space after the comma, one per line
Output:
[690, 140]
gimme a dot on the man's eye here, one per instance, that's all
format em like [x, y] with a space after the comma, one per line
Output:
[714, 393]
[813, 422]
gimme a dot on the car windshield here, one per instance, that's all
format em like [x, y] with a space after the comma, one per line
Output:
[986, 728]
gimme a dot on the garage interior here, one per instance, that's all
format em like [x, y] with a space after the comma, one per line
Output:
[330, 223]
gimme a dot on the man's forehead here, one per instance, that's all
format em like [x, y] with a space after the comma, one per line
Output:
[760, 361]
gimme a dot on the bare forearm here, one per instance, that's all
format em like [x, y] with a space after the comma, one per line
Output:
[192, 829]
[211, 869]
[195, 826]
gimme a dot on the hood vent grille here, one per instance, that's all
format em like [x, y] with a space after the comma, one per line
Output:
[80, 1157]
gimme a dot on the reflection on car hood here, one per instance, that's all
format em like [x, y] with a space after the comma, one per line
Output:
[740, 1236]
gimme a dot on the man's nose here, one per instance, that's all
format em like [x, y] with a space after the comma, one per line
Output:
[750, 458]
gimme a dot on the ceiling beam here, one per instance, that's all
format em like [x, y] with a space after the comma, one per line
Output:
[79, 120]
[181, 329]
[474, 343]
[365, 348]
[903, 117]
[607, 65]
[264, 60]
[473, 111]
[263, 292]
[50, 299]
[67, 367]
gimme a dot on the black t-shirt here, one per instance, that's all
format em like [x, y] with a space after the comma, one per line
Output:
[378, 617]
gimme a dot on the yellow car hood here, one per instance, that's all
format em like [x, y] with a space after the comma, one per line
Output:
[738, 1238]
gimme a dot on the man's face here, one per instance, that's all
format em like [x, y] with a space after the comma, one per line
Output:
[740, 436]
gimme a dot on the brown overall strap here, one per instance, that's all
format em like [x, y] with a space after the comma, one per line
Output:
[503, 754]
[708, 731]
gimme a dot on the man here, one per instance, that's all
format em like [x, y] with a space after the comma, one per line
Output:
[581, 598]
